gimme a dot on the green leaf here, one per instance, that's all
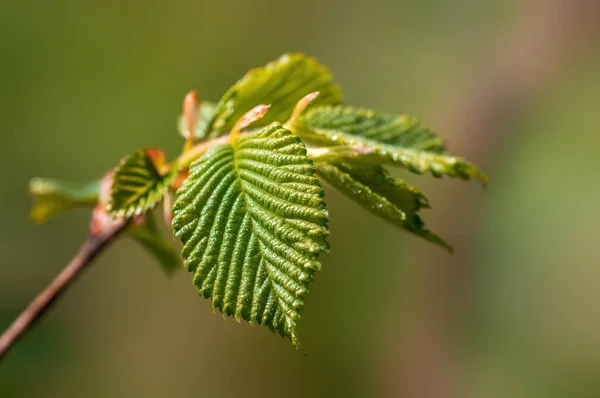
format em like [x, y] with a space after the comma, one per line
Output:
[252, 220]
[389, 198]
[148, 235]
[138, 183]
[206, 112]
[399, 140]
[52, 197]
[281, 84]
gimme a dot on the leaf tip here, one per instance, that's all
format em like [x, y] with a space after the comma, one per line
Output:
[190, 117]
[300, 107]
[36, 186]
[248, 118]
[433, 238]
[157, 157]
[484, 179]
[294, 340]
[37, 216]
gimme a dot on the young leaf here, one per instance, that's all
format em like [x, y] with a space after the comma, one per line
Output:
[138, 183]
[52, 197]
[206, 112]
[389, 198]
[252, 220]
[146, 233]
[397, 140]
[281, 83]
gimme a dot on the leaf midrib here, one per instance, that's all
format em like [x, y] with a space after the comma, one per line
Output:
[270, 277]
[145, 190]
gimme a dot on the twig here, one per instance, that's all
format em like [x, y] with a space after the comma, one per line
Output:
[102, 232]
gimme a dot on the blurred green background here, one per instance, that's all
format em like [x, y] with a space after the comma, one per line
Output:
[514, 86]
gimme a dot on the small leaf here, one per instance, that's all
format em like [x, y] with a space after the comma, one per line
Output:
[146, 233]
[389, 198]
[357, 154]
[252, 220]
[399, 140]
[205, 113]
[52, 197]
[281, 83]
[253, 115]
[138, 183]
[190, 118]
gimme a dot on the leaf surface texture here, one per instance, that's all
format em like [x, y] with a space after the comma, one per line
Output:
[252, 220]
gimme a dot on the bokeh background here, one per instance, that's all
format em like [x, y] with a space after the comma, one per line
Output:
[512, 85]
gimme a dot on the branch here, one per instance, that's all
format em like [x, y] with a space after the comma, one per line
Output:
[103, 231]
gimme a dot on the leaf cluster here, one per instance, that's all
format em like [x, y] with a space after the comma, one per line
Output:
[246, 197]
